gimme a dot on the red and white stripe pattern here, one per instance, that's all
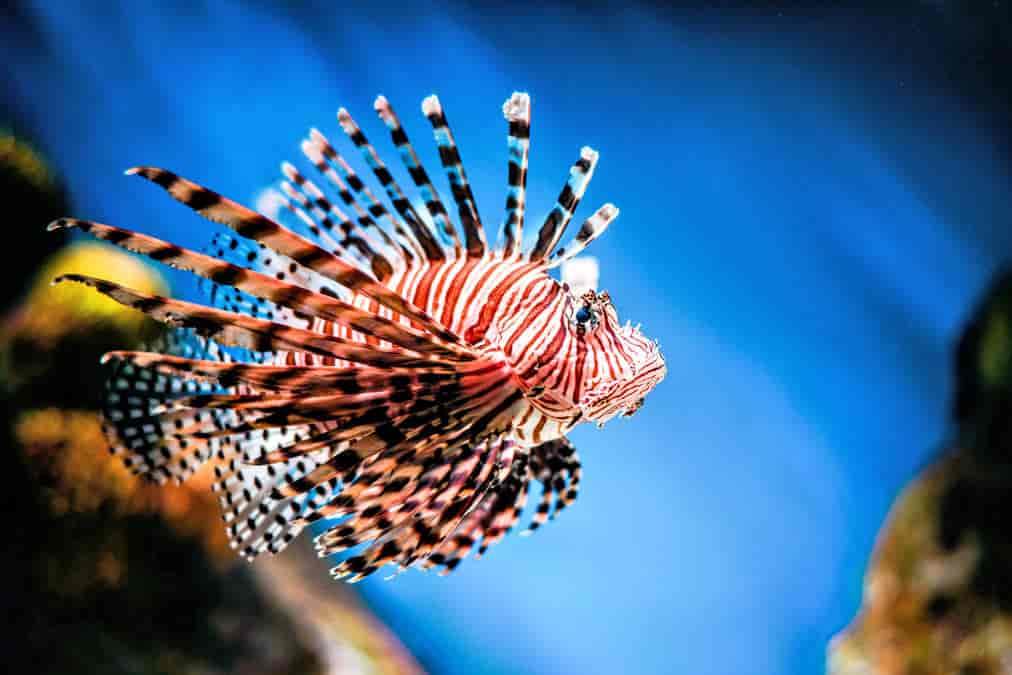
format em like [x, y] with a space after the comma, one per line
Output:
[416, 380]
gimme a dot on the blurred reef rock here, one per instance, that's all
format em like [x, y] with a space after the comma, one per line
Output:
[106, 573]
[33, 190]
[938, 590]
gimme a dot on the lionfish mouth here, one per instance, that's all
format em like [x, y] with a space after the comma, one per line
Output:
[625, 395]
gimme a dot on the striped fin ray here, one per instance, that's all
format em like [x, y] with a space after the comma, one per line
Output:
[484, 507]
[241, 252]
[517, 111]
[243, 331]
[288, 409]
[448, 525]
[319, 225]
[482, 414]
[404, 541]
[556, 465]
[252, 225]
[319, 151]
[158, 447]
[296, 503]
[425, 237]
[560, 215]
[418, 481]
[504, 520]
[410, 541]
[395, 408]
[279, 503]
[396, 425]
[251, 446]
[152, 445]
[231, 248]
[591, 229]
[377, 508]
[458, 412]
[407, 490]
[297, 204]
[277, 517]
[368, 395]
[413, 435]
[445, 231]
[473, 467]
[459, 509]
[297, 379]
[449, 155]
[374, 424]
[248, 507]
[565, 475]
[257, 513]
[312, 199]
[273, 289]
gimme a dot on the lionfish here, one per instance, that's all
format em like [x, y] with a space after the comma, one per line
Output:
[374, 373]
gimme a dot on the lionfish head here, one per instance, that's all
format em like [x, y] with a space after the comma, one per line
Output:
[626, 365]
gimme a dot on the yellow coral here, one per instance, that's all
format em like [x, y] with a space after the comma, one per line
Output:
[55, 309]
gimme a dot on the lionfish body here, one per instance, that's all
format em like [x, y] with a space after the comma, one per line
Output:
[381, 373]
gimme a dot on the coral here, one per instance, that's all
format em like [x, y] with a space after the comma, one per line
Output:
[50, 307]
[68, 456]
[50, 345]
[938, 591]
[921, 613]
[26, 178]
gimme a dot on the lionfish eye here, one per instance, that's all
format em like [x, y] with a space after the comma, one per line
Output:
[585, 317]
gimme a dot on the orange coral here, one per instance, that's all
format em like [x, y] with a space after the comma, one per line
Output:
[69, 454]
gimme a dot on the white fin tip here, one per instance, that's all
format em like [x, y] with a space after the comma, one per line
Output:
[431, 106]
[517, 107]
[312, 151]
